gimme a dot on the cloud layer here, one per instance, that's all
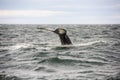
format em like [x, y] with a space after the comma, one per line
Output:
[60, 11]
[29, 13]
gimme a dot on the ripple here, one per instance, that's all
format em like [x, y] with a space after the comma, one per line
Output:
[41, 68]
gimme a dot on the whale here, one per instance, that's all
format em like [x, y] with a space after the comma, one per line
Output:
[62, 33]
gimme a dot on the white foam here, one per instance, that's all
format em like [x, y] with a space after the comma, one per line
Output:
[20, 45]
[90, 43]
[79, 44]
[48, 47]
[27, 73]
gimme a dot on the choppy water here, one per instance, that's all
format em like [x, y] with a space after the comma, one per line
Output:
[28, 53]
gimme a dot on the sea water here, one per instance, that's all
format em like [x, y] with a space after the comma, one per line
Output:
[29, 53]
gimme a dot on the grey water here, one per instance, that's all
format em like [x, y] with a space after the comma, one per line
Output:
[28, 53]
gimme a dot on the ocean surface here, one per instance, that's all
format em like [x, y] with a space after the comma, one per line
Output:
[29, 53]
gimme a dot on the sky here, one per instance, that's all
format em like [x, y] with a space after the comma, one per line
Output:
[59, 11]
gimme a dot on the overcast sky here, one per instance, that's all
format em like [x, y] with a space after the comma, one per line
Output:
[60, 11]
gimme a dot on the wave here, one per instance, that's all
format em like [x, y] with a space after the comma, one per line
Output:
[71, 61]
[26, 46]
[46, 46]
[91, 43]
[80, 44]
[113, 77]
[19, 46]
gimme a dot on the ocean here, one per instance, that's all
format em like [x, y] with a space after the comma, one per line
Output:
[29, 53]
